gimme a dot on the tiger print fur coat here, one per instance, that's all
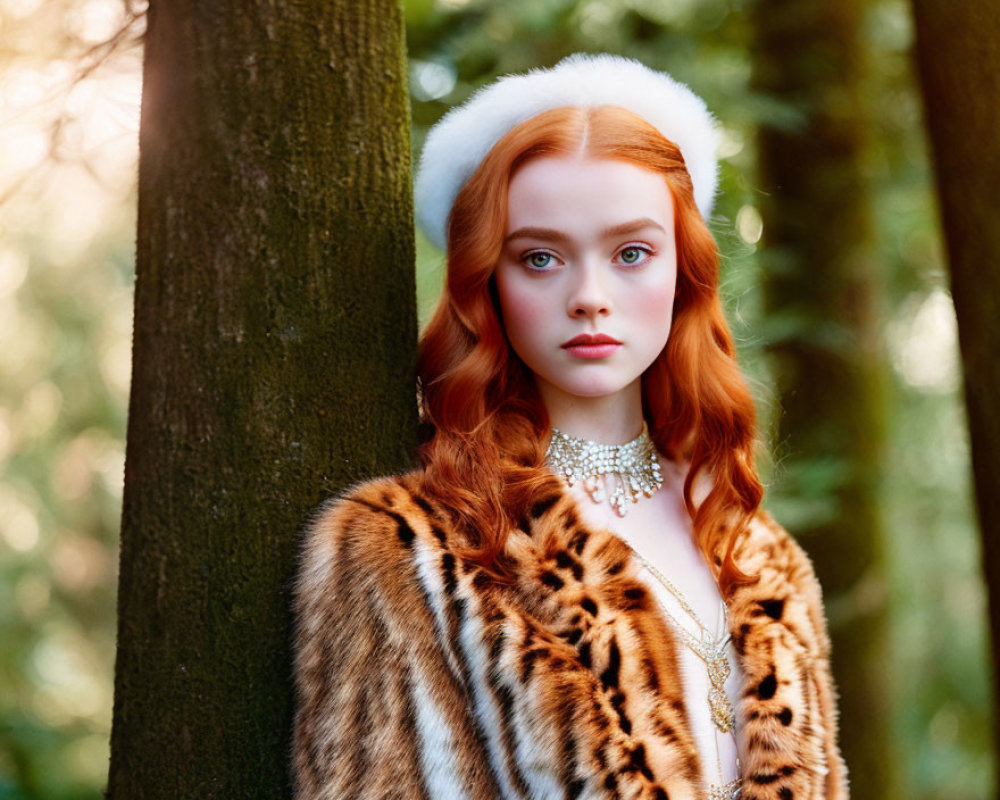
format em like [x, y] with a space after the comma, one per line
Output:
[419, 677]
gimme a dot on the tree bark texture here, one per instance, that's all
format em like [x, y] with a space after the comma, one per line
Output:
[823, 305]
[274, 356]
[958, 60]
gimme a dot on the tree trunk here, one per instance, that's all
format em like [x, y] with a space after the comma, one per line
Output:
[824, 304]
[958, 59]
[273, 363]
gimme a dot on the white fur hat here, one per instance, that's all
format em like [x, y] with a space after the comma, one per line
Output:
[461, 139]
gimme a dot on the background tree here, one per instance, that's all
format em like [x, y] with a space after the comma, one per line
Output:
[824, 306]
[958, 54]
[273, 362]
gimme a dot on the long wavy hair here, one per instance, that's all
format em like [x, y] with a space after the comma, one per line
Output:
[484, 454]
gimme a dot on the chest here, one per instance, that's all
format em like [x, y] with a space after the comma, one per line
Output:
[658, 530]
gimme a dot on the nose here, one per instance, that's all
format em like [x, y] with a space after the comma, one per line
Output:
[588, 296]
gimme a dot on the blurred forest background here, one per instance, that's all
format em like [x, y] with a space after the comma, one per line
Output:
[70, 74]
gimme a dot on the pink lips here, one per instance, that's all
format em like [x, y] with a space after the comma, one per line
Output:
[591, 345]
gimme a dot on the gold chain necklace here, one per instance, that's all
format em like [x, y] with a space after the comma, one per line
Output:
[708, 649]
[712, 652]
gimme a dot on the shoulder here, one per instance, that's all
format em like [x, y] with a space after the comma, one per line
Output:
[785, 585]
[364, 626]
[766, 545]
[369, 530]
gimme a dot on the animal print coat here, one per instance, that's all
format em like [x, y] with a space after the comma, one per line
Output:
[420, 677]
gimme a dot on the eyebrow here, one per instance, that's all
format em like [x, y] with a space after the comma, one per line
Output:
[558, 236]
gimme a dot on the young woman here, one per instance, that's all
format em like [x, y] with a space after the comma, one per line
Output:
[576, 594]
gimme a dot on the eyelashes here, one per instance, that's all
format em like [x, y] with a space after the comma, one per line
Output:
[631, 255]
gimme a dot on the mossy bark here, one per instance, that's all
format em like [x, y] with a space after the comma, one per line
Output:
[274, 355]
[824, 303]
[958, 58]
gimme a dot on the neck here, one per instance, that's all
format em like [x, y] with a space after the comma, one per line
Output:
[609, 419]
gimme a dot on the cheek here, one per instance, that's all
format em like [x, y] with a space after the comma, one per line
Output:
[523, 310]
[654, 306]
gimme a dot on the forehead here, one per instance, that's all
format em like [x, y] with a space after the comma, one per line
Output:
[574, 192]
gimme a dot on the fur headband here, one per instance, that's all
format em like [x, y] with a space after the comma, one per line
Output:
[461, 139]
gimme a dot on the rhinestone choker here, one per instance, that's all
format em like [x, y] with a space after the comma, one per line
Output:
[632, 469]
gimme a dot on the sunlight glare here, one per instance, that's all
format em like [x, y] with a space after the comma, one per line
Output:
[730, 143]
[924, 344]
[78, 563]
[20, 529]
[749, 224]
[78, 209]
[95, 21]
[71, 690]
[20, 8]
[22, 88]
[26, 147]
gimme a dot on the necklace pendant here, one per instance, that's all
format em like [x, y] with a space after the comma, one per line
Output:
[725, 791]
[618, 503]
[723, 716]
[594, 486]
[718, 671]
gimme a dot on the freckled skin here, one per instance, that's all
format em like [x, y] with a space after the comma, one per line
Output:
[579, 279]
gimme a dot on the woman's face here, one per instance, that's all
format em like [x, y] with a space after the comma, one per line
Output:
[587, 274]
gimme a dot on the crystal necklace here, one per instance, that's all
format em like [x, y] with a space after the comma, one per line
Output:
[633, 468]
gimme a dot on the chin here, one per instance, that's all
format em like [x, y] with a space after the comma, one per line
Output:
[595, 389]
[593, 382]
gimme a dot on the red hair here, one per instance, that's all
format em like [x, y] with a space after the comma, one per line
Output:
[485, 457]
